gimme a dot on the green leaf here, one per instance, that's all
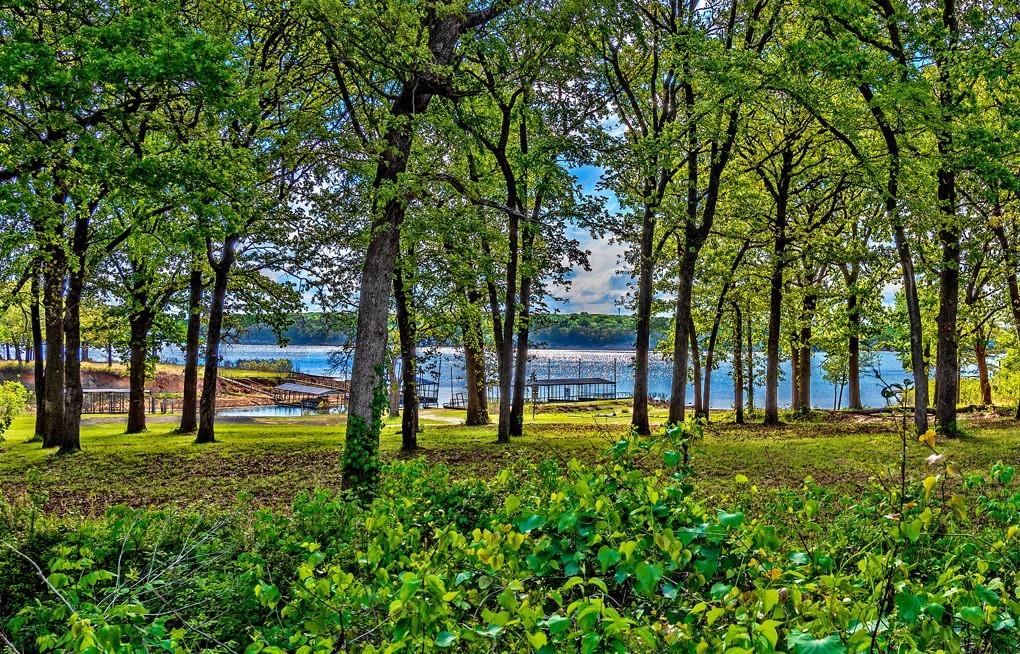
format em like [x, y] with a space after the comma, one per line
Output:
[986, 595]
[648, 576]
[590, 642]
[731, 520]
[799, 558]
[557, 623]
[801, 643]
[975, 615]
[912, 530]
[608, 557]
[909, 606]
[445, 639]
[531, 523]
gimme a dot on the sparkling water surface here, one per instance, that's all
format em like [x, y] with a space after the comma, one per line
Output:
[446, 365]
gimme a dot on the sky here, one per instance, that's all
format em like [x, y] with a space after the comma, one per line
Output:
[600, 289]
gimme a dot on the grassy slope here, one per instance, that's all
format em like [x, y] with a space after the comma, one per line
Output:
[11, 370]
[267, 460]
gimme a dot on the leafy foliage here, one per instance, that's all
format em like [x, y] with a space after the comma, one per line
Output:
[615, 556]
[13, 398]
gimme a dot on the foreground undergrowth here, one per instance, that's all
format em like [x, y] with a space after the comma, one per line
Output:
[616, 556]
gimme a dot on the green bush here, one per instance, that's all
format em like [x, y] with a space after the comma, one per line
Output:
[616, 555]
[13, 398]
[262, 365]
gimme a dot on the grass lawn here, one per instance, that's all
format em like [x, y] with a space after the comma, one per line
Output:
[267, 460]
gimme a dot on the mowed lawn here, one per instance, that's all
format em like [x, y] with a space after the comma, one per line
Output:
[266, 461]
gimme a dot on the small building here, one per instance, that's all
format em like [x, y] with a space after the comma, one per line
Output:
[112, 400]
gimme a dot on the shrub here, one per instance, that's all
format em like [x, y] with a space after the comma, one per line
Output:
[616, 555]
[264, 365]
[13, 398]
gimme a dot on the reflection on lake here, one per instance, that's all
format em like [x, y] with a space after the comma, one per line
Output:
[274, 410]
[446, 365]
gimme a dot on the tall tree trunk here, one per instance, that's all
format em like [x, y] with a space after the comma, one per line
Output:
[394, 384]
[521, 359]
[141, 323]
[981, 354]
[918, 366]
[214, 333]
[681, 333]
[505, 344]
[706, 384]
[738, 366]
[361, 448]
[780, 192]
[474, 362]
[804, 378]
[189, 404]
[854, 350]
[794, 374]
[642, 342]
[750, 363]
[947, 359]
[71, 441]
[408, 361]
[699, 409]
[772, 339]
[53, 304]
[40, 370]
[504, 369]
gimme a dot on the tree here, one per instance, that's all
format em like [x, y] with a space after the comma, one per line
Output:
[75, 142]
[790, 160]
[521, 123]
[414, 66]
[149, 271]
[189, 404]
[260, 151]
[869, 41]
[631, 52]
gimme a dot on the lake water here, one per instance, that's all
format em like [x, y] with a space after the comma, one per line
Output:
[447, 366]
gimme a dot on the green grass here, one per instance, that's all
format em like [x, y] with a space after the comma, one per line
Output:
[267, 460]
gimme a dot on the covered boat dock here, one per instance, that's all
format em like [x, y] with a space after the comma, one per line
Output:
[566, 389]
[311, 396]
[112, 400]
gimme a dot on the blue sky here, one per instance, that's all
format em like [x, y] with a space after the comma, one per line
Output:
[600, 289]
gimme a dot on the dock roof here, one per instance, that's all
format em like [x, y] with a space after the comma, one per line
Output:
[569, 381]
[308, 389]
